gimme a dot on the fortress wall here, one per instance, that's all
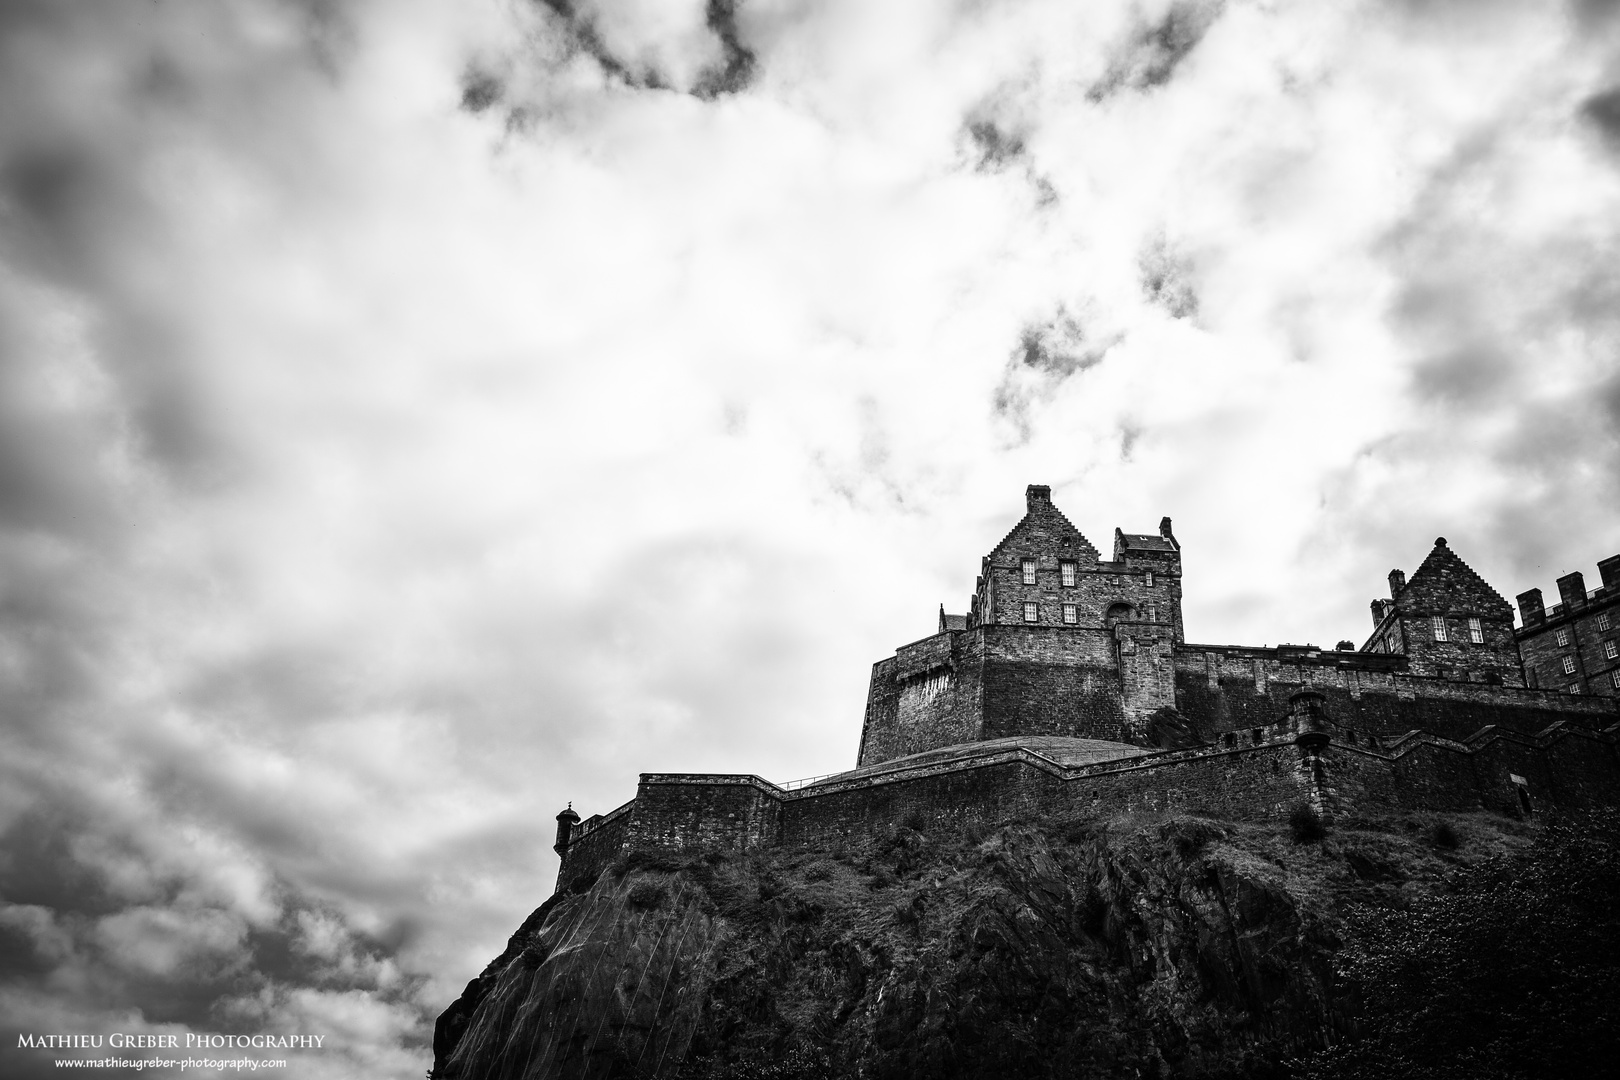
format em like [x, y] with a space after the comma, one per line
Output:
[1253, 782]
[927, 695]
[1248, 782]
[1374, 702]
[588, 853]
[1052, 681]
[985, 794]
[707, 812]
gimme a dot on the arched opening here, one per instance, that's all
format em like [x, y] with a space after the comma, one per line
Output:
[1117, 613]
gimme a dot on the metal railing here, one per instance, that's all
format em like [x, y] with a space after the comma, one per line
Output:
[794, 785]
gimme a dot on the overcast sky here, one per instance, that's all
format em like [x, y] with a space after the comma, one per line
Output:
[415, 416]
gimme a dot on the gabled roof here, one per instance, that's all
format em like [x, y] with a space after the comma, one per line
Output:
[1056, 532]
[1444, 581]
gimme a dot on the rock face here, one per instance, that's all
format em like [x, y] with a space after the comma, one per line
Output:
[1172, 947]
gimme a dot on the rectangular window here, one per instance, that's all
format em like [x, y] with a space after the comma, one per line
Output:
[1150, 579]
[1574, 688]
[1614, 677]
[1563, 637]
[1439, 624]
[1071, 614]
[1603, 622]
[1569, 665]
[1067, 570]
[1029, 571]
[1610, 650]
[1032, 612]
[1476, 633]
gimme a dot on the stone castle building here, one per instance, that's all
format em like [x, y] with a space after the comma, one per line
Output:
[1069, 688]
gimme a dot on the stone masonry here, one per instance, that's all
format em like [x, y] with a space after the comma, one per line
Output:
[1068, 688]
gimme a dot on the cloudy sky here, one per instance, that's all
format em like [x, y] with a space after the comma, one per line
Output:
[417, 415]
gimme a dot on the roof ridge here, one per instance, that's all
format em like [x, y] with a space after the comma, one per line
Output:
[1061, 516]
[1440, 545]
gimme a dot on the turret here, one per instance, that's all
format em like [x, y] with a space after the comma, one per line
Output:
[565, 829]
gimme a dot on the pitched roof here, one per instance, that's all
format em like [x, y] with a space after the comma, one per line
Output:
[1443, 578]
[1146, 542]
[1043, 516]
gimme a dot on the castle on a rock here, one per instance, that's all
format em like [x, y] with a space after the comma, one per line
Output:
[1068, 688]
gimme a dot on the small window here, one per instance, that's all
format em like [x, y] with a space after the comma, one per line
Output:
[1029, 571]
[1476, 633]
[1614, 678]
[1439, 624]
[1150, 579]
[1603, 621]
[1574, 688]
[1152, 613]
[1563, 637]
[1610, 650]
[1569, 665]
[1071, 615]
[1068, 570]
[1032, 612]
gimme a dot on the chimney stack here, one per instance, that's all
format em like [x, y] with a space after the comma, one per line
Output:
[1531, 609]
[1397, 582]
[1572, 591]
[1610, 569]
[1164, 530]
[1380, 608]
[1036, 496]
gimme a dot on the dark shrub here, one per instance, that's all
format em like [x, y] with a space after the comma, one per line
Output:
[1305, 824]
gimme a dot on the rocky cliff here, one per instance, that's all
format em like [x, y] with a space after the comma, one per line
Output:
[1135, 947]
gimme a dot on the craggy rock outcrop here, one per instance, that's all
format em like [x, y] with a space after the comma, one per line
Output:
[1176, 947]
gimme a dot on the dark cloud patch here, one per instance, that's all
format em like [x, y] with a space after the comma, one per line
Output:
[1129, 435]
[1047, 354]
[38, 868]
[994, 147]
[733, 73]
[480, 90]
[584, 36]
[1153, 51]
[1166, 277]
[1467, 376]
[73, 927]
[1602, 112]
[736, 70]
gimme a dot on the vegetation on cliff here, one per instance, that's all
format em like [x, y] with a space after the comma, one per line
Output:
[1137, 946]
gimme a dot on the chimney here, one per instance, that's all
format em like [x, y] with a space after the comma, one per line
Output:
[1380, 608]
[1610, 569]
[565, 827]
[1531, 610]
[1397, 582]
[1572, 590]
[1164, 530]
[1037, 496]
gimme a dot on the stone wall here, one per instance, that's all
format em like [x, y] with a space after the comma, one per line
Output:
[1259, 773]
[1223, 689]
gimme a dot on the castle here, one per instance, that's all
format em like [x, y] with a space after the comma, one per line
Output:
[1068, 688]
